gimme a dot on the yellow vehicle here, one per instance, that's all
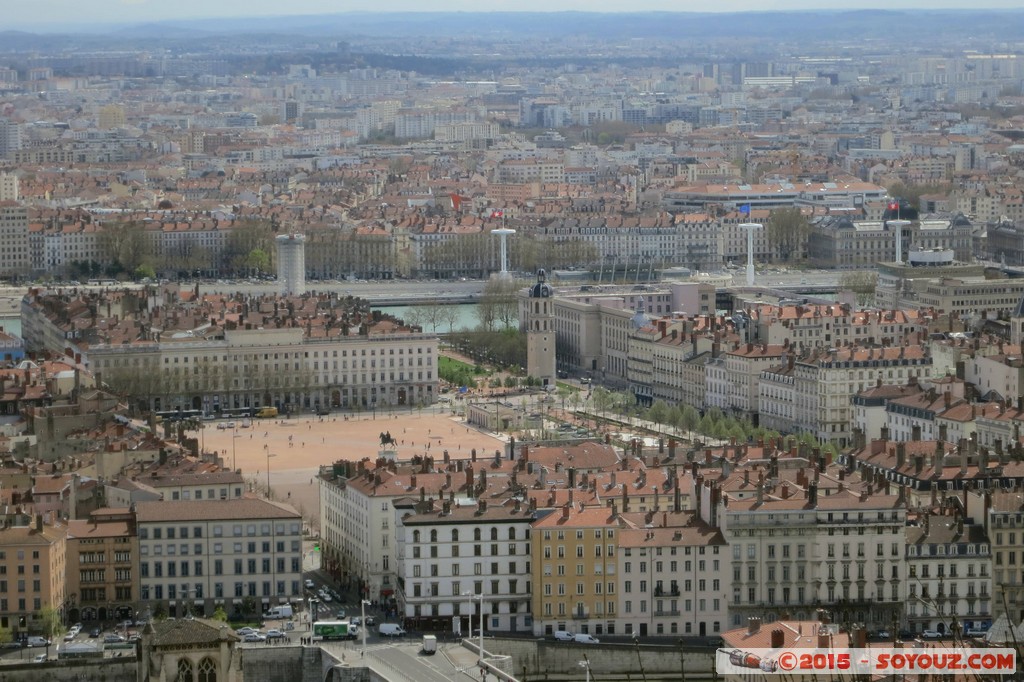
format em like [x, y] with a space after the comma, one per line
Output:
[266, 412]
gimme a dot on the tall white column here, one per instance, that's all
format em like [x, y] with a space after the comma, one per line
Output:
[750, 227]
[898, 225]
[503, 233]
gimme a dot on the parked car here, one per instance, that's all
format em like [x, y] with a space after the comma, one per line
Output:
[583, 638]
[310, 584]
[356, 620]
[976, 632]
[370, 621]
[95, 632]
[254, 637]
[246, 631]
[390, 630]
[37, 641]
[70, 636]
[276, 634]
[931, 634]
[564, 636]
[41, 658]
[883, 634]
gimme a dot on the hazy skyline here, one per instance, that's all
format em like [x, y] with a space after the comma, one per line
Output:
[67, 13]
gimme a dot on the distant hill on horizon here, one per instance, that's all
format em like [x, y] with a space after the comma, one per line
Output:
[816, 25]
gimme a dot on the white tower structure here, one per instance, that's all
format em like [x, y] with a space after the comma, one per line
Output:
[898, 225]
[504, 232]
[750, 227]
[540, 331]
[291, 264]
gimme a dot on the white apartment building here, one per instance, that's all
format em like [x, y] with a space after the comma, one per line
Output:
[278, 367]
[195, 556]
[547, 171]
[454, 553]
[9, 187]
[744, 365]
[813, 393]
[673, 577]
[796, 552]
[1002, 514]
[357, 520]
[949, 575]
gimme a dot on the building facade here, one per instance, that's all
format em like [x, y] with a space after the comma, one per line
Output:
[243, 555]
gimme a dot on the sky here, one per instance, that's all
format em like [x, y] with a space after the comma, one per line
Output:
[37, 14]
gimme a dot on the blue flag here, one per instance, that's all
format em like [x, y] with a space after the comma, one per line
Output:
[745, 209]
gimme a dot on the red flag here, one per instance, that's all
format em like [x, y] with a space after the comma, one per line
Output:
[497, 213]
[456, 201]
[894, 205]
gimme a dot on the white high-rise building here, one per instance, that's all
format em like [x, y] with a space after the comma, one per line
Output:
[291, 264]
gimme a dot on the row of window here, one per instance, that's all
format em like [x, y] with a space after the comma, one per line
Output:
[218, 548]
[182, 532]
[196, 591]
[241, 567]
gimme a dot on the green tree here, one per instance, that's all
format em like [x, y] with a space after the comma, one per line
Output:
[787, 232]
[862, 284]
[689, 418]
[258, 261]
[498, 304]
[220, 614]
[126, 245]
[6, 635]
[246, 237]
[659, 413]
[49, 621]
[145, 270]
[602, 398]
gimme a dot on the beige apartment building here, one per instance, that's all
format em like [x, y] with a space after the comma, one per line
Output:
[102, 566]
[15, 255]
[574, 571]
[33, 565]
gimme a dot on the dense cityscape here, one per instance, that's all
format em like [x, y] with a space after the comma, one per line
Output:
[743, 370]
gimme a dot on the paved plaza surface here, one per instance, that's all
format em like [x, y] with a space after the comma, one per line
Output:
[299, 446]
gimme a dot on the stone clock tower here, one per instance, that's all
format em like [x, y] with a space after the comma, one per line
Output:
[540, 331]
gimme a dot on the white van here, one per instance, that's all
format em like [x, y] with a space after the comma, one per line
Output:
[564, 636]
[278, 612]
[37, 641]
[390, 630]
[430, 644]
[582, 638]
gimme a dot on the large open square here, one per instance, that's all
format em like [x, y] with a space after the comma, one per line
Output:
[298, 447]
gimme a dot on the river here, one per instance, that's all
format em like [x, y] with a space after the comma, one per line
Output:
[466, 319]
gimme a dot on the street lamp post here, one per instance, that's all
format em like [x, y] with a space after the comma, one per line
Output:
[362, 622]
[269, 455]
[234, 439]
[586, 665]
[481, 598]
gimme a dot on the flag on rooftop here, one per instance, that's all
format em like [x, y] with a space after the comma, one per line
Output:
[497, 213]
[745, 209]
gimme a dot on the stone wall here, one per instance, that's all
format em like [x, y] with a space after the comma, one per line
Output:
[105, 670]
[540, 656]
[286, 663]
